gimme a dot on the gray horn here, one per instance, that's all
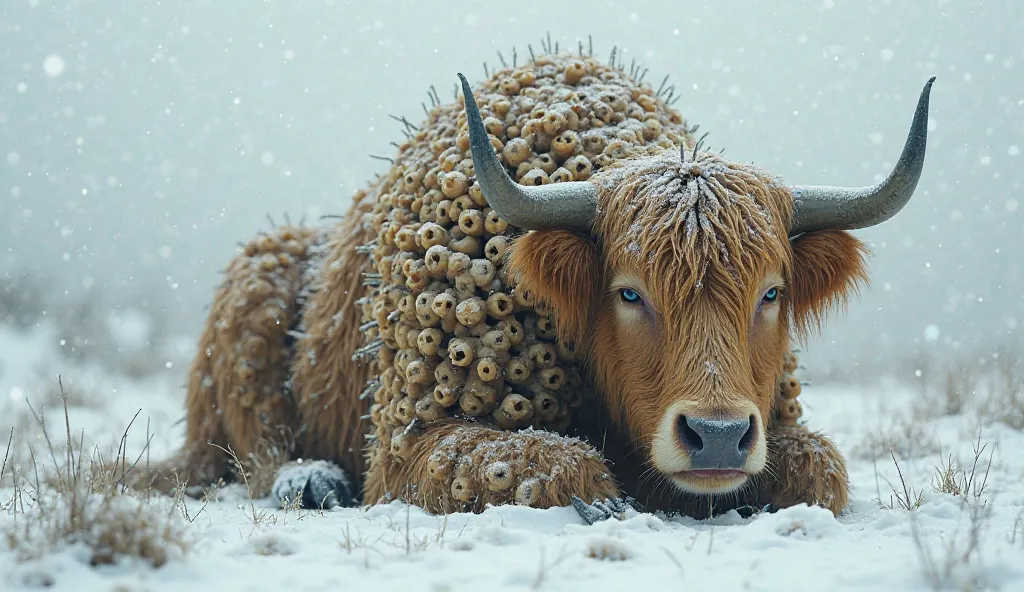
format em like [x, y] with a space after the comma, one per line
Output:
[567, 205]
[845, 208]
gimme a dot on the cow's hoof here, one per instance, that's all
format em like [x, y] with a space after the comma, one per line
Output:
[750, 511]
[598, 511]
[313, 485]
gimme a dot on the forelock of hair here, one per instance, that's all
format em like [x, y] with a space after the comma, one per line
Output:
[707, 215]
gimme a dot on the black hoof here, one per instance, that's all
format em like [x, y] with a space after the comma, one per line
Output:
[603, 510]
[750, 511]
[314, 484]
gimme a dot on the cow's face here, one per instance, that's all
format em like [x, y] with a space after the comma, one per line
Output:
[683, 301]
[681, 282]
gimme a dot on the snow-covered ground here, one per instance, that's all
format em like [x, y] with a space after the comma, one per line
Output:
[235, 545]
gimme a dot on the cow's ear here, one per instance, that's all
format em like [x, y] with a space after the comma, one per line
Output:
[561, 268]
[828, 267]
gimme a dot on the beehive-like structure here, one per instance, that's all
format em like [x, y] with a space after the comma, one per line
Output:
[452, 334]
[787, 407]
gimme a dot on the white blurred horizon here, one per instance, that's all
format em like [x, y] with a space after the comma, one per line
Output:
[140, 142]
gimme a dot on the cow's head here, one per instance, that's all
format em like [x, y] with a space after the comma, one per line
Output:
[680, 276]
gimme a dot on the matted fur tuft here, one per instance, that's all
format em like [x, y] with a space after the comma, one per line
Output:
[706, 213]
[562, 268]
[829, 266]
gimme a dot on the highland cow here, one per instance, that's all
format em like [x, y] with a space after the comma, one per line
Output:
[553, 296]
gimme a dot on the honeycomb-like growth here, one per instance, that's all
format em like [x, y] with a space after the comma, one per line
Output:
[452, 333]
[270, 267]
[788, 407]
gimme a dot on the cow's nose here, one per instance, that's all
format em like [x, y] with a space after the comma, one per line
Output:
[716, 443]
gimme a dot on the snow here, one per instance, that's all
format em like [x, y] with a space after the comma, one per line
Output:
[54, 65]
[238, 545]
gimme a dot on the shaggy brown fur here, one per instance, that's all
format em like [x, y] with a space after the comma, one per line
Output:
[717, 229]
[237, 392]
[698, 237]
[470, 453]
[325, 379]
[832, 268]
[572, 278]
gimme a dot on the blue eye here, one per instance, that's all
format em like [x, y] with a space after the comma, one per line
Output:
[771, 295]
[630, 296]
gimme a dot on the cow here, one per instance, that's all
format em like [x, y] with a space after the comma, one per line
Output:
[562, 300]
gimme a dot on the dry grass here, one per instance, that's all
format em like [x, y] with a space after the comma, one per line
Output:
[608, 549]
[905, 496]
[1018, 529]
[7, 455]
[955, 478]
[956, 563]
[1005, 401]
[545, 568]
[953, 394]
[962, 481]
[906, 437]
[991, 387]
[991, 390]
[258, 517]
[86, 504]
[261, 467]
[42, 401]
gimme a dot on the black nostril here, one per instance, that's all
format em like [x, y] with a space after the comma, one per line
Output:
[747, 441]
[690, 438]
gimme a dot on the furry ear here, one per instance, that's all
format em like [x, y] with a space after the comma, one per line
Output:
[828, 267]
[561, 268]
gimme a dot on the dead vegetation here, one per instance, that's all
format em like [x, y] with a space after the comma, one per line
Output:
[902, 435]
[904, 496]
[260, 468]
[956, 562]
[257, 516]
[990, 387]
[85, 503]
[953, 562]
[962, 481]
[45, 401]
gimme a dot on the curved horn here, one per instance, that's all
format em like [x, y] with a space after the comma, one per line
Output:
[572, 204]
[820, 207]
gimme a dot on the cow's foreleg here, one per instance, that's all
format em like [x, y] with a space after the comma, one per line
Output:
[459, 466]
[313, 484]
[807, 468]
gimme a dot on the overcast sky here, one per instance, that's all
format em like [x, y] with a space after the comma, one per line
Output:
[140, 141]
